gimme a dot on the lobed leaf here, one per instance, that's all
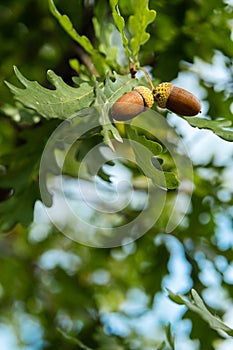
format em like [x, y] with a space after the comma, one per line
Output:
[104, 35]
[116, 87]
[107, 94]
[144, 150]
[138, 23]
[108, 129]
[67, 25]
[61, 103]
[222, 128]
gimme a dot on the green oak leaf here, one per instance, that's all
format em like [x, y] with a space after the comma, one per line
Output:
[105, 96]
[138, 23]
[61, 103]
[119, 85]
[144, 151]
[105, 34]
[222, 128]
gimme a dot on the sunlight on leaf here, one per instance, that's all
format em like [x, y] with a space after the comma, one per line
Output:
[138, 23]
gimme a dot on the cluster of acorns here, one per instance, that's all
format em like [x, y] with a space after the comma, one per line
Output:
[166, 95]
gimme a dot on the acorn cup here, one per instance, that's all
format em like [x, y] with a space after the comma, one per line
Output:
[176, 100]
[132, 103]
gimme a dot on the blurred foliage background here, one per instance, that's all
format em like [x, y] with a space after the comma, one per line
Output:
[57, 294]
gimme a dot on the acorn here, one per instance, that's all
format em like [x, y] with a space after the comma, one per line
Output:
[177, 100]
[132, 103]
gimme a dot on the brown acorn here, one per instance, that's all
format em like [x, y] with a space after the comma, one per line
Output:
[177, 100]
[132, 103]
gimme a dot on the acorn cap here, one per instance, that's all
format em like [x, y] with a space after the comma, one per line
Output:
[177, 100]
[146, 95]
[161, 94]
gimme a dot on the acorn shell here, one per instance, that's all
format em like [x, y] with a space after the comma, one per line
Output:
[177, 100]
[133, 103]
[128, 106]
